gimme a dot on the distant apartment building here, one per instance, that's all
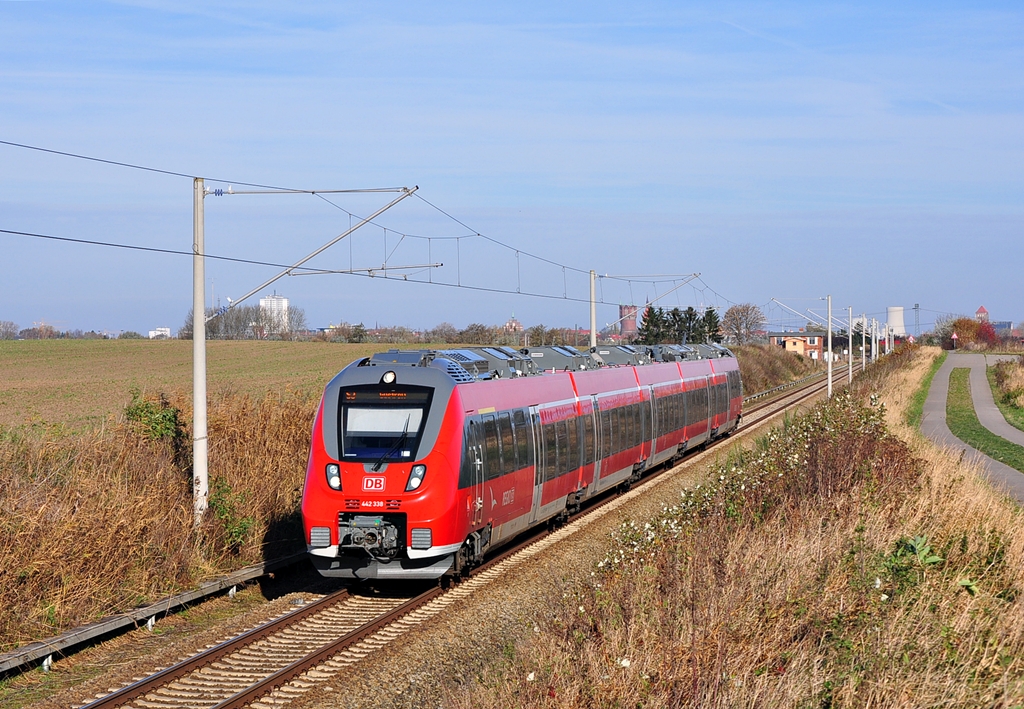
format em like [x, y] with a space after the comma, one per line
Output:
[275, 308]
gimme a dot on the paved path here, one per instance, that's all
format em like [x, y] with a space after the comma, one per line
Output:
[933, 423]
[981, 392]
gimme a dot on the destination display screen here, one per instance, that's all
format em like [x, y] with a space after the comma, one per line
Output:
[379, 396]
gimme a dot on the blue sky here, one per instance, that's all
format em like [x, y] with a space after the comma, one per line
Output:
[782, 150]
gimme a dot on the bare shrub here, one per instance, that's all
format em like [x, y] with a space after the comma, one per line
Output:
[1009, 377]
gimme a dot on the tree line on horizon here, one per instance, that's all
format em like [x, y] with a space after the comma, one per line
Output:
[741, 324]
[658, 326]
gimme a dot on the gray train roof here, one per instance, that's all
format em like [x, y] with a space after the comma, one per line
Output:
[471, 364]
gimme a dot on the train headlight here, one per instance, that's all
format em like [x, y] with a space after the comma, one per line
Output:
[333, 471]
[388, 378]
[415, 477]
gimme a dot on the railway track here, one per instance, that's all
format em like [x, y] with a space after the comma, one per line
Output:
[280, 660]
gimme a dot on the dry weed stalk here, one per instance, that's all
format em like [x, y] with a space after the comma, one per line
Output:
[833, 565]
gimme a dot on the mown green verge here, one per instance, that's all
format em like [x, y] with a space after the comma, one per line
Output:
[1013, 415]
[964, 423]
[916, 409]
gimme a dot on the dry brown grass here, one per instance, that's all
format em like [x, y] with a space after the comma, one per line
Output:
[810, 589]
[763, 367]
[101, 521]
[1009, 376]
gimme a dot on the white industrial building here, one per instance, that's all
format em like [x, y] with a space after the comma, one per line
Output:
[275, 307]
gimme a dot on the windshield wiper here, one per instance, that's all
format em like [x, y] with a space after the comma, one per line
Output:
[398, 444]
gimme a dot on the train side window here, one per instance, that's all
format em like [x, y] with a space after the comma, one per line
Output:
[468, 459]
[631, 412]
[635, 411]
[550, 451]
[616, 430]
[637, 424]
[627, 417]
[492, 448]
[523, 439]
[573, 459]
[606, 433]
[562, 437]
[588, 439]
[508, 446]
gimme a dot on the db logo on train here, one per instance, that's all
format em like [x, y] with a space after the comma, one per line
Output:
[373, 484]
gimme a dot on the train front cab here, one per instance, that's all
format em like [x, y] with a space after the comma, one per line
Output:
[385, 450]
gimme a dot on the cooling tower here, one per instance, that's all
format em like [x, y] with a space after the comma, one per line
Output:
[894, 320]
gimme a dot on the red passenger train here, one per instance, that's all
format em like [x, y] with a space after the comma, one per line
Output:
[423, 461]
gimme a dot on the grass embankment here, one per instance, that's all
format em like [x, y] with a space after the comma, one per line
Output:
[763, 367]
[832, 565]
[95, 500]
[1007, 382]
[915, 411]
[964, 424]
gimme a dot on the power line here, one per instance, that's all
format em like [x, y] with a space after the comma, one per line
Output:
[135, 247]
[320, 194]
[147, 168]
[372, 272]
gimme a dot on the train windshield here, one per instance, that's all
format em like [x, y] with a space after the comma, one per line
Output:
[382, 424]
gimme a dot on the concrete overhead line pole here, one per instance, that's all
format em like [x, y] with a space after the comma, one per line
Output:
[829, 298]
[593, 309]
[863, 341]
[200, 473]
[849, 350]
[874, 340]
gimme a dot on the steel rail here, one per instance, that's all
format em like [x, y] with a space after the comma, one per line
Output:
[67, 644]
[168, 675]
[286, 674]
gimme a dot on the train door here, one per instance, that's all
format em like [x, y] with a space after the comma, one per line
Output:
[538, 463]
[648, 426]
[475, 465]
